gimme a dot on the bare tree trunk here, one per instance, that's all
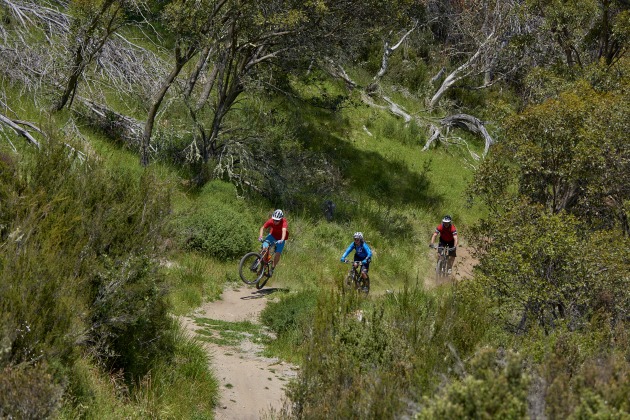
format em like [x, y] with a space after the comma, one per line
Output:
[455, 76]
[180, 61]
[15, 127]
[387, 52]
[85, 51]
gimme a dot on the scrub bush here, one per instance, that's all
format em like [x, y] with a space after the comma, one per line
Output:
[218, 232]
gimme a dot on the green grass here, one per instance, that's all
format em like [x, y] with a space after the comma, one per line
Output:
[226, 333]
[393, 192]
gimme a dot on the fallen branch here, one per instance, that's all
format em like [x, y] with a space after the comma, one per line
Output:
[14, 124]
[462, 121]
[116, 125]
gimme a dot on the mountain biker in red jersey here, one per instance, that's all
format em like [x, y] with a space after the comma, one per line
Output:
[278, 233]
[448, 238]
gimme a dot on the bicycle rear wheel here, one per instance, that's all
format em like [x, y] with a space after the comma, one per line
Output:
[365, 285]
[251, 268]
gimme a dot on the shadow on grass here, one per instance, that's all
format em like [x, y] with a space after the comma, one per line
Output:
[389, 183]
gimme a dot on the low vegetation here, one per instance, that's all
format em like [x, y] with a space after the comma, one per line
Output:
[139, 155]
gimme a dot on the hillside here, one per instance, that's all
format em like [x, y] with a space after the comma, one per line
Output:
[144, 144]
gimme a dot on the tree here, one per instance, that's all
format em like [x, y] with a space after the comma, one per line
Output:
[94, 23]
[190, 24]
[579, 32]
[237, 39]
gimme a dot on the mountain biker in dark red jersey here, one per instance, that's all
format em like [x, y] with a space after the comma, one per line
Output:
[448, 238]
[278, 233]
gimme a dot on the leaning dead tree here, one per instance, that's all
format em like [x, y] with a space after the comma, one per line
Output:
[387, 52]
[438, 131]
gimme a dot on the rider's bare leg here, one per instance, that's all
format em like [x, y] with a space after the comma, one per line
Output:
[450, 262]
[276, 258]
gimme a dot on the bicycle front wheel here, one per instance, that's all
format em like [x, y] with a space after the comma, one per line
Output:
[365, 285]
[251, 268]
[349, 280]
[439, 269]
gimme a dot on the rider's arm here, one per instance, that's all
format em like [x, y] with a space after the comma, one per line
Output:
[455, 237]
[433, 237]
[265, 225]
[368, 250]
[284, 234]
[348, 251]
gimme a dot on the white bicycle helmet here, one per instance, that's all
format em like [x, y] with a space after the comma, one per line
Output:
[277, 215]
[447, 219]
[358, 235]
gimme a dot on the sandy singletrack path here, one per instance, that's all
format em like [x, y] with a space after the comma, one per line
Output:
[462, 267]
[250, 385]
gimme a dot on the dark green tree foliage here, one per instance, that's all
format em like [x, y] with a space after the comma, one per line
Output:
[555, 247]
[77, 266]
[495, 386]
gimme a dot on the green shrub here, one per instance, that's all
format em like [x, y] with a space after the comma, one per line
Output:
[291, 312]
[78, 265]
[495, 386]
[219, 232]
[28, 392]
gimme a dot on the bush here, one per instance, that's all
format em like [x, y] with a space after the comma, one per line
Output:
[293, 311]
[495, 387]
[28, 392]
[219, 232]
[77, 267]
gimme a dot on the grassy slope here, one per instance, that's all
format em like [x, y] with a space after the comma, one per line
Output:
[395, 195]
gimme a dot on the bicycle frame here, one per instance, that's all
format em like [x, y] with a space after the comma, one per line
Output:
[354, 277]
[255, 267]
[441, 267]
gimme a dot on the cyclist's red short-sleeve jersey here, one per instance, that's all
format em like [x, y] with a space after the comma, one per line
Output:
[276, 230]
[446, 233]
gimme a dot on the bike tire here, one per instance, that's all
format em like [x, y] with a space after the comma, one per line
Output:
[251, 268]
[349, 281]
[441, 268]
[262, 282]
[365, 284]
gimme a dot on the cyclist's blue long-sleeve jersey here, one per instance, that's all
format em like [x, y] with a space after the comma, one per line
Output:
[362, 252]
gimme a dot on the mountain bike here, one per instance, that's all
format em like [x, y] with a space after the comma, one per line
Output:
[354, 280]
[441, 266]
[255, 267]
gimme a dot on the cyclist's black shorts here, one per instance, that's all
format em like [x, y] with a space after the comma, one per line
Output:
[450, 244]
[365, 267]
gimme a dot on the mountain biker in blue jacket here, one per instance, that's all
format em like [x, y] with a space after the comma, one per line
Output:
[362, 253]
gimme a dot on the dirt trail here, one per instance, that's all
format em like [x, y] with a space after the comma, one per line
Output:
[250, 385]
[462, 267]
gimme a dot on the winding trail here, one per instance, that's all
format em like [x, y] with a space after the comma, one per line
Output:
[251, 385]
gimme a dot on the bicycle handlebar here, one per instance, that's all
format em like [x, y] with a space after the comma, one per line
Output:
[359, 263]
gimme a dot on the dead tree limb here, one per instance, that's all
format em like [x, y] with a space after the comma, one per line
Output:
[462, 121]
[387, 52]
[117, 126]
[14, 124]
